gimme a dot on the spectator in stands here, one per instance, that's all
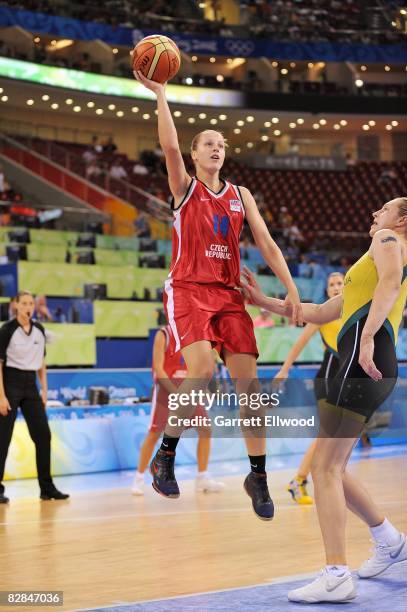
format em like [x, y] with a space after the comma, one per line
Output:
[284, 219]
[264, 319]
[140, 169]
[89, 155]
[117, 171]
[95, 146]
[304, 269]
[41, 309]
[93, 170]
[387, 175]
[110, 146]
[142, 226]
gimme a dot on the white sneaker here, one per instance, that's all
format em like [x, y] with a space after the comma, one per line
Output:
[138, 484]
[383, 557]
[208, 485]
[326, 587]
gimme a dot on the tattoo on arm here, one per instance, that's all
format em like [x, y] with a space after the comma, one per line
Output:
[389, 239]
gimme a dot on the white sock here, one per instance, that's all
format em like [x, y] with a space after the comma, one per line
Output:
[202, 474]
[337, 570]
[139, 475]
[386, 534]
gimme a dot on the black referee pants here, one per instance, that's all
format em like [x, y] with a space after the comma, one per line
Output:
[21, 391]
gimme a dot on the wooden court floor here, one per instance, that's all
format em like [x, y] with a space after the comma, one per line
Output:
[101, 548]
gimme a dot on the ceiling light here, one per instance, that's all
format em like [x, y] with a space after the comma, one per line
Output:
[387, 68]
[191, 119]
[274, 64]
[389, 127]
[249, 145]
[366, 127]
[111, 107]
[394, 123]
[30, 102]
[146, 116]
[37, 39]
[284, 71]
[4, 98]
[220, 78]
[90, 104]
[359, 83]
[300, 121]
[45, 97]
[134, 109]
[202, 115]
[292, 64]
[363, 68]
[194, 58]
[212, 60]
[264, 138]
[223, 117]
[316, 126]
[120, 113]
[99, 111]
[76, 109]
[310, 65]
[343, 122]
[250, 119]
[372, 123]
[54, 106]
[275, 120]
[189, 81]
[237, 150]
[213, 121]
[240, 122]
[237, 131]
[267, 124]
[337, 126]
[177, 113]
[69, 101]
[277, 132]
[292, 125]
[322, 121]
[115, 50]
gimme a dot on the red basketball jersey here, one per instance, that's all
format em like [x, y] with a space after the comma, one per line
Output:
[174, 364]
[205, 236]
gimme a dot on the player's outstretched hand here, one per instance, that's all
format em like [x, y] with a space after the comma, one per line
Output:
[292, 304]
[251, 288]
[148, 83]
[366, 357]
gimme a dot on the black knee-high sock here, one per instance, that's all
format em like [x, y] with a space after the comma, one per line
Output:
[258, 463]
[169, 444]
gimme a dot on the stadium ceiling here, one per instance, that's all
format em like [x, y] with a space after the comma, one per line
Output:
[238, 124]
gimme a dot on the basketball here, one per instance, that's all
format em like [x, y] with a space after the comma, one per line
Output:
[157, 58]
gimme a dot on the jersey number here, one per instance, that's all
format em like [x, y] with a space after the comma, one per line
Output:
[221, 224]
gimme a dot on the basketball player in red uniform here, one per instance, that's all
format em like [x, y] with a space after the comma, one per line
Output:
[169, 368]
[203, 307]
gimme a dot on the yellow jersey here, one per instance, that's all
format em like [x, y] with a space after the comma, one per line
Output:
[329, 334]
[359, 286]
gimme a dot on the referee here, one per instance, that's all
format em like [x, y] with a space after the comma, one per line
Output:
[22, 352]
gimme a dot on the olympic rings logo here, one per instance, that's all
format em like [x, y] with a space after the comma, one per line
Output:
[240, 48]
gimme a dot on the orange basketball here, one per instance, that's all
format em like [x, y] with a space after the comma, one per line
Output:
[157, 58]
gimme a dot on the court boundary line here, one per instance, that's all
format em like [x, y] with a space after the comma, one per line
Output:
[279, 580]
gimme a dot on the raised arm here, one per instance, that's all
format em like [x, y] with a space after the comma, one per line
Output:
[272, 254]
[313, 313]
[178, 178]
[386, 252]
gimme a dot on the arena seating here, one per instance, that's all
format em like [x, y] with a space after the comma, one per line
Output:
[318, 201]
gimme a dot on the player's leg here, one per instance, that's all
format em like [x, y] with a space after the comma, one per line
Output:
[200, 366]
[6, 433]
[203, 480]
[243, 370]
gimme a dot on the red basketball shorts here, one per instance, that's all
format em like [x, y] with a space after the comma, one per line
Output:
[209, 312]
